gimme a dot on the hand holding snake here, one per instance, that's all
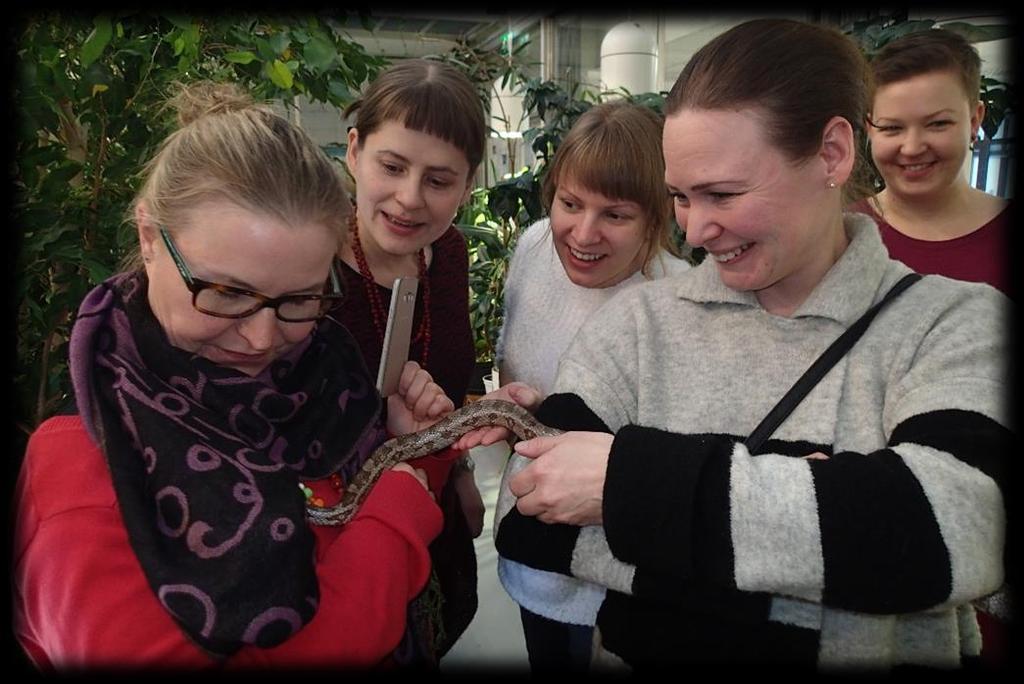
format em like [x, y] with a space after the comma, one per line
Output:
[444, 433]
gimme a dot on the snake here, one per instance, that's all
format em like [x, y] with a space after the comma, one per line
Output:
[440, 435]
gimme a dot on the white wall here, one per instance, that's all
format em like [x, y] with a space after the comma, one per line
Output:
[996, 55]
[684, 34]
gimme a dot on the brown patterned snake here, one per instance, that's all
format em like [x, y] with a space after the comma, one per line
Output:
[440, 435]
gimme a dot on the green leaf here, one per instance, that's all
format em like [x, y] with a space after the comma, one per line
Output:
[319, 54]
[179, 21]
[265, 51]
[358, 67]
[96, 41]
[240, 57]
[280, 75]
[58, 233]
[92, 78]
[339, 91]
[280, 41]
[486, 236]
[98, 272]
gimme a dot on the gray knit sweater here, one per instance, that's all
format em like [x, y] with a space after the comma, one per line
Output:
[869, 558]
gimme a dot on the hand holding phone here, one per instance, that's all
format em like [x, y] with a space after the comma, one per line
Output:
[396, 335]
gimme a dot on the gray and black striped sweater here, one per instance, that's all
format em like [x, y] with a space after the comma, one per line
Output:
[714, 554]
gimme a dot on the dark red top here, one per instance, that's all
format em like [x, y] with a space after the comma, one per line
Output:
[981, 256]
[451, 357]
[450, 362]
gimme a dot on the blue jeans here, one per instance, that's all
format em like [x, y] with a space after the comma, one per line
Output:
[556, 646]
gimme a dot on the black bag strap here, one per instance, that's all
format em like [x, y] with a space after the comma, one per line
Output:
[821, 366]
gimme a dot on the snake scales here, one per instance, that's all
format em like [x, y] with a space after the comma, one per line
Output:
[442, 434]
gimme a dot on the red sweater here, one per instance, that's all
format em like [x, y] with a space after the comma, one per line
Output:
[980, 256]
[82, 601]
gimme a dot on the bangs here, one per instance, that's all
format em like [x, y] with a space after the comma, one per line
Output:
[429, 110]
[614, 170]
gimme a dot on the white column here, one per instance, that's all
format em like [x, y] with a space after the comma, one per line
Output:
[629, 59]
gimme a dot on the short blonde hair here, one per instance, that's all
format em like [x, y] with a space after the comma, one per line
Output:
[614, 149]
[229, 148]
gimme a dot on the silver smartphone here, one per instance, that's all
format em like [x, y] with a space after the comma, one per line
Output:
[396, 335]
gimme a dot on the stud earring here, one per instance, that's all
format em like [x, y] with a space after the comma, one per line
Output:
[831, 183]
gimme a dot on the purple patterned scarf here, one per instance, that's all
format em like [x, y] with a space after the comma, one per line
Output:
[206, 462]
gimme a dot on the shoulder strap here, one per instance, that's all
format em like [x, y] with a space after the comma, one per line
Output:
[821, 366]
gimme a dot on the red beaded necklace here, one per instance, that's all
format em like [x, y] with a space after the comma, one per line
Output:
[377, 308]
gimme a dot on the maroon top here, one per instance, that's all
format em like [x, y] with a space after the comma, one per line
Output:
[450, 361]
[451, 356]
[981, 256]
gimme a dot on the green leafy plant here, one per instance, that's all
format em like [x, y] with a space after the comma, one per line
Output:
[87, 95]
[491, 241]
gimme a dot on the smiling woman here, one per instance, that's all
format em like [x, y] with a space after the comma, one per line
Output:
[608, 230]
[417, 141]
[228, 243]
[599, 241]
[924, 119]
[861, 531]
[737, 205]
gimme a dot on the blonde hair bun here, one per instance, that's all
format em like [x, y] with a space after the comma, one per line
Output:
[229, 148]
[206, 98]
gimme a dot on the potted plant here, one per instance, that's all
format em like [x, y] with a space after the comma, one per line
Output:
[491, 241]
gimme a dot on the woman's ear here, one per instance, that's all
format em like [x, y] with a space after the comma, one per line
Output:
[149, 232]
[977, 116]
[838, 150]
[352, 151]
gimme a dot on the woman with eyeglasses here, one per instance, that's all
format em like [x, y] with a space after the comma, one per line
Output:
[162, 522]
